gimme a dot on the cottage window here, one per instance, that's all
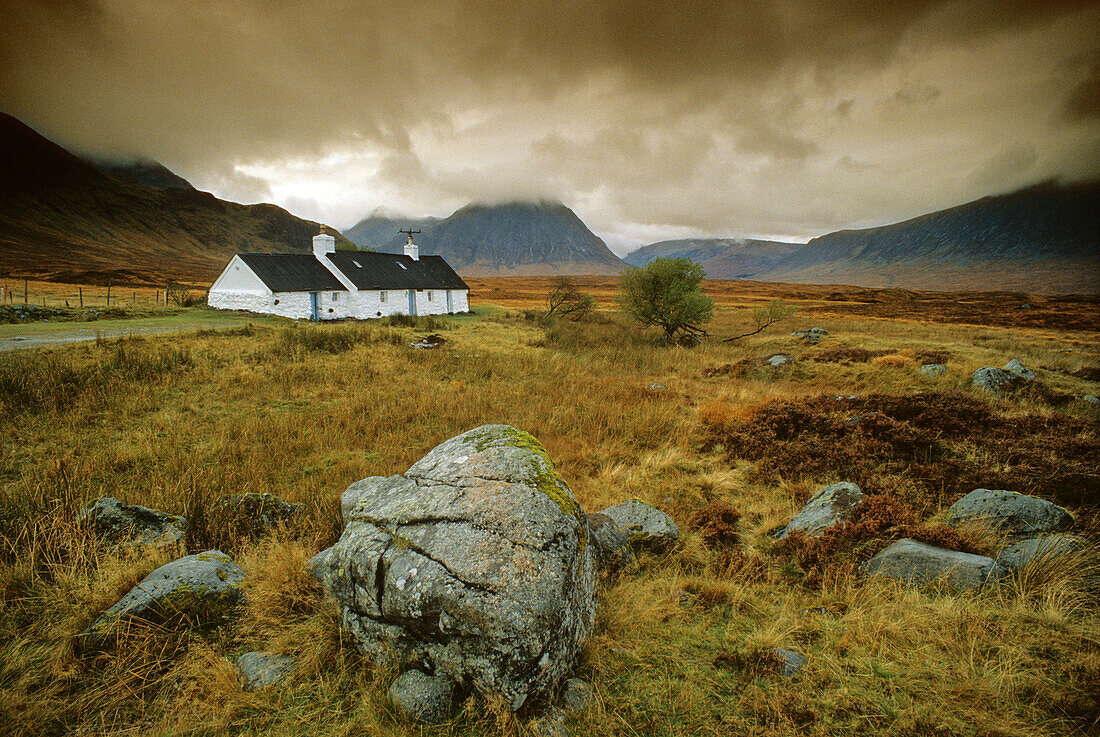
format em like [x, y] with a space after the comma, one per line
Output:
[382, 297]
[429, 295]
[335, 296]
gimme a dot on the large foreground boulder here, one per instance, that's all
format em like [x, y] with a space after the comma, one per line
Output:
[921, 564]
[120, 523]
[199, 588]
[1014, 513]
[829, 507]
[475, 566]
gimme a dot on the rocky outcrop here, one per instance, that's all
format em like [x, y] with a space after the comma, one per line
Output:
[829, 507]
[920, 564]
[260, 669]
[1014, 513]
[810, 336]
[646, 526]
[1000, 380]
[476, 566]
[120, 523]
[199, 588]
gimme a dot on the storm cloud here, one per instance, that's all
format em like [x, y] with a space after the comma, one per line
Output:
[651, 119]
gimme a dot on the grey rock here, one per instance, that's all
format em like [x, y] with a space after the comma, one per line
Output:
[656, 387]
[1017, 370]
[576, 695]
[318, 565]
[1091, 399]
[613, 551]
[810, 336]
[646, 526]
[1050, 547]
[551, 724]
[260, 669]
[351, 495]
[132, 523]
[830, 506]
[202, 588]
[476, 564]
[1014, 513]
[993, 380]
[920, 564]
[779, 359]
[932, 370]
[790, 662]
[424, 698]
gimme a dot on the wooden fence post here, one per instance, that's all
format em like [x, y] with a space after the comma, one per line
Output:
[108, 292]
[24, 291]
[80, 292]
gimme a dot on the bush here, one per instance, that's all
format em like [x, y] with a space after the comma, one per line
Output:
[665, 293]
[566, 301]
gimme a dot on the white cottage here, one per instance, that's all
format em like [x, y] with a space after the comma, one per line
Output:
[330, 284]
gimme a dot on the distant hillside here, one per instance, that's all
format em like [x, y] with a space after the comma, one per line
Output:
[374, 231]
[63, 219]
[723, 258]
[1044, 238]
[149, 173]
[515, 239]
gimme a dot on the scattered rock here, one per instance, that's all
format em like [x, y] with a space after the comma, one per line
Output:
[1016, 369]
[646, 526]
[202, 587]
[1025, 306]
[656, 387]
[613, 551]
[550, 724]
[779, 359]
[790, 662]
[932, 370]
[255, 514]
[858, 417]
[260, 669]
[576, 696]
[132, 523]
[1091, 399]
[428, 342]
[1018, 554]
[831, 506]
[810, 336]
[1014, 513]
[993, 380]
[424, 698]
[476, 565]
[921, 564]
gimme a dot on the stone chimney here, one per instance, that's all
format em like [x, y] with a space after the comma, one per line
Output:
[323, 244]
[412, 250]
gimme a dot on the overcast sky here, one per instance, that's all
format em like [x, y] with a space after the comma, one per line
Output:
[652, 119]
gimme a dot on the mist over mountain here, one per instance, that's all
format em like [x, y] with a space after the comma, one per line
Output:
[148, 173]
[722, 258]
[1042, 238]
[514, 239]
[378, 229]
[63, 219]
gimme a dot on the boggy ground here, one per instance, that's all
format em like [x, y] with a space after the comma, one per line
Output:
[728, 447]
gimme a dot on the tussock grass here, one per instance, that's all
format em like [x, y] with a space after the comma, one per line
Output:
[683, 639]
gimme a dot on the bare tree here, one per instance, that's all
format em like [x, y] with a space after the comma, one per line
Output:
[765, 316]
[565, 300]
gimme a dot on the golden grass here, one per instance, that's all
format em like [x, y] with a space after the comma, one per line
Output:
[177, 423]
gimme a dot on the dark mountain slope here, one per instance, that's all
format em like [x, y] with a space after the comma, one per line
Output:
[148, 173]
[723, 258]
[62, 219]
[374, 231]
[1043, 238]
[515, 239]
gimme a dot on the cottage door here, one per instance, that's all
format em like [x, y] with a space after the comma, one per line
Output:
[313, 311]
[450, 303]
[412, 302]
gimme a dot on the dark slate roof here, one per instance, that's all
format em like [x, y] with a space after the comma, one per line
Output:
[370, 270]
[292, 272]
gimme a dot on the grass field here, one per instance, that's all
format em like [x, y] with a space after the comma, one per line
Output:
[302, 411]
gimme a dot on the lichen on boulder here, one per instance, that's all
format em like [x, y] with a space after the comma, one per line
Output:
[475, 566]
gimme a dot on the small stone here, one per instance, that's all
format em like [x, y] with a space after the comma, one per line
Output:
[613, 551]
[260, 669]
[646, 526]
[1051, 547]
[779, 359]
[550, 724]
[132, 523]
[1091, 399]
[656, 387]
[256, 514]
[920, 564]
[993, 380]
[932, 370]
[1016, 369]
[1014, 513]
[790, 662]
[830, 506]
[424, 698]
[576, 695]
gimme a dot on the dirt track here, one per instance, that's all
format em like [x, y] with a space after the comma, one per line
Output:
[39, 334]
